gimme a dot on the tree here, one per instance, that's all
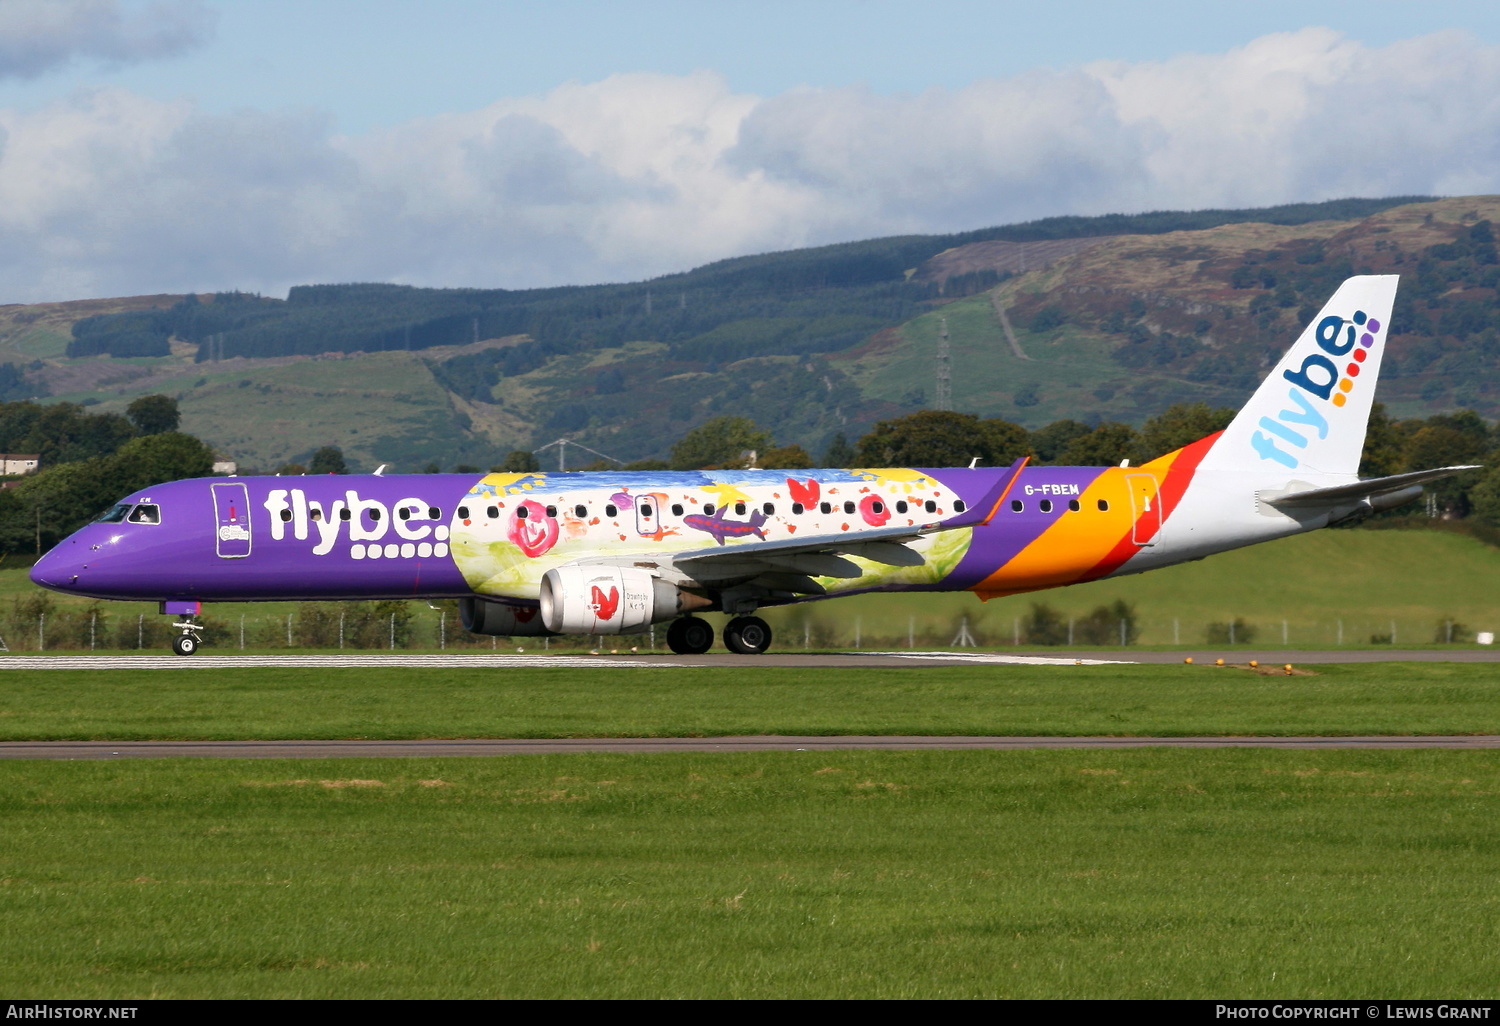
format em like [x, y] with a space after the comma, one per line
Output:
[721, 442]
[1448, 441]
[1049, 442]
[1105, 446]
[786, 457]
[1181, 424]
[839, 453]
[942, 438]
[518, 461]
[154, 414]
[328, 460]
[1385, 446]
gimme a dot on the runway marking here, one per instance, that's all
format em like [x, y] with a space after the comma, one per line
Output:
[304, 749]
[998, 658]
[201, 662]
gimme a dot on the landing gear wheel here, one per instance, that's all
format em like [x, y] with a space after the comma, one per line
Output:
[690, 636]
[747, 635]
[184, 644]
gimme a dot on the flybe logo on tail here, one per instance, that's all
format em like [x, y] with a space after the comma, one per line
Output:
[1320, 378]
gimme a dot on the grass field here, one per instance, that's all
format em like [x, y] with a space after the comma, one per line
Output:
[996, 874]
[1392, 698]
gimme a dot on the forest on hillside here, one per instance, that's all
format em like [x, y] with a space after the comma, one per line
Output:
[805, 301]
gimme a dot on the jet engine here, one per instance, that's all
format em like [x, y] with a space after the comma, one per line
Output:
[584, 599]
[481, 616]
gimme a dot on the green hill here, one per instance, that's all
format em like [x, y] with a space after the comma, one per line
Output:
[1112, 318]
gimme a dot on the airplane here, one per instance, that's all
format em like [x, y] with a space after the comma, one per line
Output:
[529, 554]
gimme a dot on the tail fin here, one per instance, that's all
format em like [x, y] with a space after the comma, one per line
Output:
[1310, 414]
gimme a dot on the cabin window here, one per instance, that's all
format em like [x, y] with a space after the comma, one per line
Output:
[580, 511]
[825, 507]
[286, 516]
[646, 510]
[708, 509]
[374, 514]
[797, 509]
[404, 512]
[316, 511]
[848, 507]
[930, 506]
[146, 513]
[769, 509]
[877, 506]
[463, 512]
[958, 506]
[552, 511]
[1073, 505]
[739, 509]
[494, 514]
[1103, 505]
[433, 513]
[677, 509]
[344, 514]
[114, 514]
[901, 506]
[1016, 505]
[1045, 505]
[610, 510]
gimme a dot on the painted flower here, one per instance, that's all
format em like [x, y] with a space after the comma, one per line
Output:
[874, 510]
[534, 532]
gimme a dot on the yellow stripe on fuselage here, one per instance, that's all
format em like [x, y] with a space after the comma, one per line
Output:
[1066, 551]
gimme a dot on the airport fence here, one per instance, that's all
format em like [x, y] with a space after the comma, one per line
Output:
[39, 623]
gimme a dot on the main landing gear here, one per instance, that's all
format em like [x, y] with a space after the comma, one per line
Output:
[746, 635]
[186, 643]
[690, 636]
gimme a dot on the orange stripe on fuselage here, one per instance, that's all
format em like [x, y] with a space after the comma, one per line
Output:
[1091, 543]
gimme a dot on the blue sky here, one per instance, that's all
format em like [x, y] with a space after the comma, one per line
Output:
[206, 144]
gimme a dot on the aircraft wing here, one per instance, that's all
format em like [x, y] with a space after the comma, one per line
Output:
[790, 564]
[1370, 488]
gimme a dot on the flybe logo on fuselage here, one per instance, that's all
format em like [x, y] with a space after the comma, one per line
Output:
[369, 523]
[1319, 378]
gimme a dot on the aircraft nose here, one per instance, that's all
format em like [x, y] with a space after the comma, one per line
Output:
[57, 569]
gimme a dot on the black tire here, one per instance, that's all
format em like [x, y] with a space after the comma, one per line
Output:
[690, 636]
[747, 635]
[184, 644]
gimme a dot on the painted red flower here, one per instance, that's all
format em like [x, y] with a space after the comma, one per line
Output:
[874, 511]
[533, 533]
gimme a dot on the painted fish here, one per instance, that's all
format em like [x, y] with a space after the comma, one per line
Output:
[720, 528]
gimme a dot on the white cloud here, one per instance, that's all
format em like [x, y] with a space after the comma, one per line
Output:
[37, 36]
[110, 193]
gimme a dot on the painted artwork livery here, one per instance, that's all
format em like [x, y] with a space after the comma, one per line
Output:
[609, 553]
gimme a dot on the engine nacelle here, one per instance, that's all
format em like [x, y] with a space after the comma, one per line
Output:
[481, 616]
[610, 600]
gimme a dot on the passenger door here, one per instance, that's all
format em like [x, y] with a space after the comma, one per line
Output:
[232, 513]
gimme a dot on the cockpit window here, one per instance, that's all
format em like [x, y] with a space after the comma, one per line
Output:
[145, 513]
[114, 514]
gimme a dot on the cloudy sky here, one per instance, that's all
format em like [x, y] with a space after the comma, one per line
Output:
[172, 145]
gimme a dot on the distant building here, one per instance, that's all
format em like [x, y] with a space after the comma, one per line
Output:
[13, 463]
[226, 467]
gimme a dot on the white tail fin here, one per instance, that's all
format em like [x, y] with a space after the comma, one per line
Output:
[1310, 414]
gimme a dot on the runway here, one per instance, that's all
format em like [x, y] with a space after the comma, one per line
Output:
[799, 660]
[106, 750]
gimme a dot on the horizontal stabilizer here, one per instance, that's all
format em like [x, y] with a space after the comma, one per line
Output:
[1368, 488]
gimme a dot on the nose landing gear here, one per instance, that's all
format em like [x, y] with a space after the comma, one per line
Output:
[186, 643]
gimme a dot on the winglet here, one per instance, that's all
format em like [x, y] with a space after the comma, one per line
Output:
[979, 514]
